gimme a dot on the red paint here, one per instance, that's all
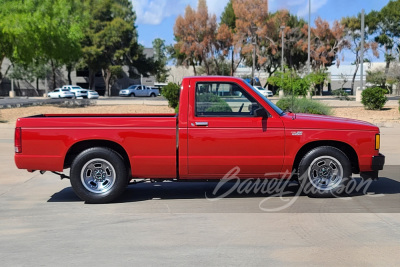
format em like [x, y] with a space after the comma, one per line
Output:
[258, 146]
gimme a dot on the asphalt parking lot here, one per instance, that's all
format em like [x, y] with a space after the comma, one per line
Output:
[43, 223]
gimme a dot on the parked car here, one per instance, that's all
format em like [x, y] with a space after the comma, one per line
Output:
[213, 136]
[263, 91]
[348, 91]
[77, 90]
[139, 90]
[92, 94]
[61, 93]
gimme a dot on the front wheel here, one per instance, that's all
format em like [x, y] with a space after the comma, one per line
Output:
[98, 175]
[324, 172]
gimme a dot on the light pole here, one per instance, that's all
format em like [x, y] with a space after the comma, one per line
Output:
[362, 47]
[254, 40]
[282, 28]
[283, 45]
[309, 38]
[358, 92]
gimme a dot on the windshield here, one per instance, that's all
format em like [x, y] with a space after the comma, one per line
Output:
[259, 88]
[272, 105]
[133, 86]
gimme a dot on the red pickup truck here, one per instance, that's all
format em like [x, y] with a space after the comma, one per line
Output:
[223, 123]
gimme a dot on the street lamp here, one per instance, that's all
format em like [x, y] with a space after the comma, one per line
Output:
[253, 30]
[309, 38]
[282, 28]
[283, 44]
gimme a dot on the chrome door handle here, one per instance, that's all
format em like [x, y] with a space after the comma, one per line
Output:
[202, 123]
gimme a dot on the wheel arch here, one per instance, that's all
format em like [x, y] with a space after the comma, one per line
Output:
[79, 147]
[347, 149]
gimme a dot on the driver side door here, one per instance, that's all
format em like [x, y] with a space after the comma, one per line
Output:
[224, 132]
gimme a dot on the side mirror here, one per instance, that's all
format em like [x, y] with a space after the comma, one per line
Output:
[261, 112]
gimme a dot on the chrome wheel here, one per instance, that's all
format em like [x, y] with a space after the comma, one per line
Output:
[98, 175]
[325, 173]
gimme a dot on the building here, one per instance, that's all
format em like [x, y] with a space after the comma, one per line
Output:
[78, 77]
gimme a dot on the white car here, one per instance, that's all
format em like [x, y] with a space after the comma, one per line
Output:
[61, 93]
[263, 91]
[77, 90]
[92, 94]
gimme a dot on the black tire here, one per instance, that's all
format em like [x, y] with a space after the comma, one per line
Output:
[98, 175]
[325, 172]
[132, 95]
[153, 95]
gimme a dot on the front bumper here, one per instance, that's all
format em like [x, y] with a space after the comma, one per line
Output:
[377, 164]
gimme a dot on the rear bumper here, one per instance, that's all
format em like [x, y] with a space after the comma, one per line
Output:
[377, 164]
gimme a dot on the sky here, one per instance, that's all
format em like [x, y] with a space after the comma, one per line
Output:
[156, 18]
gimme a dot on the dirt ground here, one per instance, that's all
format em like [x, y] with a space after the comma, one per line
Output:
[388, 115]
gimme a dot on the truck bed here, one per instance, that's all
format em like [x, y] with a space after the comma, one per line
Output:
[148, 139]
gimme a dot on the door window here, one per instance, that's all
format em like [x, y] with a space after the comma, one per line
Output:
[223, 100]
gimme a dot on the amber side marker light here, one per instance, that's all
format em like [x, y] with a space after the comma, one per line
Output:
[17, 140]
[377, 141]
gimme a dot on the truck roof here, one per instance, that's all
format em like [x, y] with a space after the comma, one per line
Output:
[222, 78]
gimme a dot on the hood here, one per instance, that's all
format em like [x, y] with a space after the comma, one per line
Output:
[309, 121]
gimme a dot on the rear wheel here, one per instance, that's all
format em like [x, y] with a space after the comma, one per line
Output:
[153, 95]
[98, 175]
[324, 172]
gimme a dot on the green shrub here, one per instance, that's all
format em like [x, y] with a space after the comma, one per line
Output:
[303, 105]
[212, 103]
[399, 105]
[341, 94]
[373, 98]
[171, 93]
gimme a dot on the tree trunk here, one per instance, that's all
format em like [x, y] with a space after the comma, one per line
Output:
[53, 69]
[355, 74]
[232, 63]
[37, 86]
[107, 77]
[194, 69]
[387, 67]
[1, 64]
[91, 79]
[69, 69]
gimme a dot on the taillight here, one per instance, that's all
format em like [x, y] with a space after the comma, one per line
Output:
[17, 140]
